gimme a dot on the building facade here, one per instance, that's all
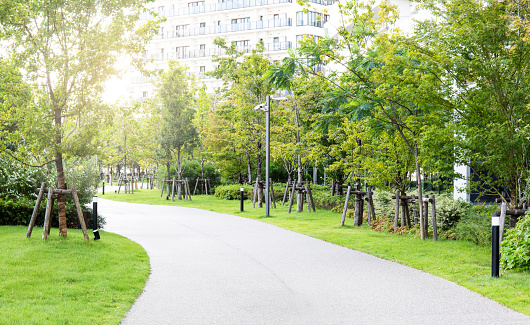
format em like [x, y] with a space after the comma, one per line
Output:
[191, 26]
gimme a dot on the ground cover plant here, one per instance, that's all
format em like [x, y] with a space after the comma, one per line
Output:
[462, 262]
[67, 280]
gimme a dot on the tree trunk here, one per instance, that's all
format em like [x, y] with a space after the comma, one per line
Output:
[249, 167]
[420, 198]
[167, 178]
[61, 200]
[179, 173]
[258, 178]
[299, 194]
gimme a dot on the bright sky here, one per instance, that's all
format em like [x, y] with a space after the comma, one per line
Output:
[115, 89]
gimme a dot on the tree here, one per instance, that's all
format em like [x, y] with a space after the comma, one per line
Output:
[176, 107]
[245, 88]
[67, 50]
[479, 50]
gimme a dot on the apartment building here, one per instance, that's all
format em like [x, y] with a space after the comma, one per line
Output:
[191, 26]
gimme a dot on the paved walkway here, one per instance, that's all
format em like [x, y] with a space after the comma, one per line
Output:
[211, 268]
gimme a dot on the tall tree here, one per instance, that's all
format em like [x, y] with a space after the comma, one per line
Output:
[480, 52]
[176, 108]
[245, 88]
[68, 49]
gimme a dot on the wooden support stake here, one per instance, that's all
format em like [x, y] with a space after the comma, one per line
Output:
[80, 213]
[173, 189]
[308, 188]
[291, 197]
[434, 222]
[345, 206]
[371, 200]
[285, 193]
[35, 211]
[255, 195]
[162, 192]
[396, 214]
[196, 183]
[426, 215]
[271, 190]
[502, 220]
[48, 215]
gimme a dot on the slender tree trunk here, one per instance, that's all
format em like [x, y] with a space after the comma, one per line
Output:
[167, 178]
[249, 166]
[179, 173]
[420, 200]
[299, 195]
[258, 177]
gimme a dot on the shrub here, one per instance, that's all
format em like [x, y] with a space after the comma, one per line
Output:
[383, 204]
[232, 192]
[475, 226]
[449, 211]
[515, 250]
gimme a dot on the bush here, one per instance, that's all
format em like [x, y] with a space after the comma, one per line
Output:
[232, 192]
[515, 250]
[449, 211]
[475, 226]
[383, 204]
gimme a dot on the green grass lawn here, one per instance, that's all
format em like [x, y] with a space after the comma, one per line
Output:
[68, 280]
[459, 261]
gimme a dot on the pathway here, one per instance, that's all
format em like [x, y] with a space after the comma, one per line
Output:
[212, 268]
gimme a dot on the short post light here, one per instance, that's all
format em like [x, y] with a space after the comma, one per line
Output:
[495, 223]
[241, 193]
[95, 217]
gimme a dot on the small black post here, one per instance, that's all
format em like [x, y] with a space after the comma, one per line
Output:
[95, 218]
[241, 191]
[103, 189]
[495, 223]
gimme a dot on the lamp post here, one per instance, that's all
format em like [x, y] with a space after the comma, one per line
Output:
[95, 217]
[266, 107]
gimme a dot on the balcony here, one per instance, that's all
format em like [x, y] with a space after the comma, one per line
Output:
[215, 7]
[228, 28]
[206, 53]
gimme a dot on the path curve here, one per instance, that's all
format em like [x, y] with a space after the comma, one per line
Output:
[212, 268]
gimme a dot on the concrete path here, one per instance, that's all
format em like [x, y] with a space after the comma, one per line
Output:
[211, 268]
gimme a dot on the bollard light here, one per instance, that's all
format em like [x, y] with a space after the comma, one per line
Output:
[95, 217]
[495, 223]
[241, 191]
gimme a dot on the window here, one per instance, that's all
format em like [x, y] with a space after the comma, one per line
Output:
[311, 19]
[196, 4]
[202, 69]
[300, 38]
[181, 30]
[243, 46]
[240, 24]
[202, 50]
[182, 52]
[276, 43]
[144, 94]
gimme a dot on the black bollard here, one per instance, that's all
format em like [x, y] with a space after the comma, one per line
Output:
[241, 192]
[95, 218]
[495, 223]
[103, 189]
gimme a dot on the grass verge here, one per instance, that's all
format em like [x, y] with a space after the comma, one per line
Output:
[461, 262]
[68, 280]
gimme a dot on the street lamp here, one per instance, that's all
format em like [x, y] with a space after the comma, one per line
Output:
[266, 107]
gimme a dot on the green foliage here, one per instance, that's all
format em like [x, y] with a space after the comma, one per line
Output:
[449, 211]
[515, 250]
[232, 192]
[475, 226]
[383, 204]
[19, 181]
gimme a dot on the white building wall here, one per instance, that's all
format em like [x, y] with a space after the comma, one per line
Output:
[191, 26]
